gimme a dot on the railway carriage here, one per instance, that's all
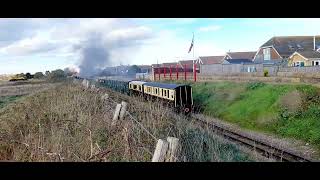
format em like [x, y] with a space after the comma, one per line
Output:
[178, 96]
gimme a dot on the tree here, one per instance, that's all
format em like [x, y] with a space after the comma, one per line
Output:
[29, 76]
[47, 73]
[38, 75]
[69, 72]
[57, 75]
[134, 69]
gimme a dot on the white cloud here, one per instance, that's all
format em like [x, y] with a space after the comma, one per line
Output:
[210, 28]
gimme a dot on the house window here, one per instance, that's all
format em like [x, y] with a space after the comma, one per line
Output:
[316, 63]
[298, 64]
[266, 54]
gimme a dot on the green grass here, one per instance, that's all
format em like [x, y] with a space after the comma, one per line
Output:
[256, 106]
[4, 100]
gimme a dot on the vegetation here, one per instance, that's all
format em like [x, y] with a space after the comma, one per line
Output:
[285, 110]
[4, 100]
[67, 123]
[38, 75]
[134, 69]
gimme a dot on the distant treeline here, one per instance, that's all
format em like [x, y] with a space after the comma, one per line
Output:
[55, 75]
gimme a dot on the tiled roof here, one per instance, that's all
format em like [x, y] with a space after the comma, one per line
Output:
[207, 60]
[242, 55]
[310, 54]
[286, 45]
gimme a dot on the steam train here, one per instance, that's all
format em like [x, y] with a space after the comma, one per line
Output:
[178, 96]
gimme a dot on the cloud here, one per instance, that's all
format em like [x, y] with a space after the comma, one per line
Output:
[210, 28]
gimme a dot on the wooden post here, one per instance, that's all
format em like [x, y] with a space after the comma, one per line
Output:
[105, 96]
[116, 114]
[173, 150]
[123, 110]
[161, 150]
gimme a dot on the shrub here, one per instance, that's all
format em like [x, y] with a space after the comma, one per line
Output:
[255, 85]
[57, 75]
[265, 73]
[38, 75]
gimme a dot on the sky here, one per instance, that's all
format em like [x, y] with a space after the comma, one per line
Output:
[33, 45]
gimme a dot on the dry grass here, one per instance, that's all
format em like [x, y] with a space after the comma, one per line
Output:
[68, 123]
[23, 88]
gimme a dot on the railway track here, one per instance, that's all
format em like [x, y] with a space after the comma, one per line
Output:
[263, 148]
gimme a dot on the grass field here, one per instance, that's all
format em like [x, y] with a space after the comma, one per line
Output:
[285, 110]
[68, 123]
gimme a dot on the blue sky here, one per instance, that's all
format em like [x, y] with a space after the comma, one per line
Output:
[31, 45]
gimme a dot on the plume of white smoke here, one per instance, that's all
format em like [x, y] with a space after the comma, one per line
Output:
[94, 55]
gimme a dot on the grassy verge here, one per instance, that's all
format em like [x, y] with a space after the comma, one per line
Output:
[4, 100]
[67, 123]
[285, 110]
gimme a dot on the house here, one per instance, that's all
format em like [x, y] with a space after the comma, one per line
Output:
[172, 64]
[208, 60]
[240, 55]
[237, 61]
[280, 48]
[145, 68]
[304, 58]
[188, 63]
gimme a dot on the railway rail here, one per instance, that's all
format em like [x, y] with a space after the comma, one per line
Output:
[263, 148]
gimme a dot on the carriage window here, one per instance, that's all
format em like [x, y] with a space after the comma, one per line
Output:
[134, 86]
[139, 88]
[168, 93]
[156, 90]
[165, 93]
[161, 92]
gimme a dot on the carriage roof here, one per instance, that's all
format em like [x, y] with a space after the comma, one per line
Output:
[164, 85]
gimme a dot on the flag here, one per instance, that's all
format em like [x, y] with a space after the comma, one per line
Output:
[191, 46]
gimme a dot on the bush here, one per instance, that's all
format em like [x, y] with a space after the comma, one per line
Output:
[265, 73]
[255, 85]
[38, 75]
[57, 75]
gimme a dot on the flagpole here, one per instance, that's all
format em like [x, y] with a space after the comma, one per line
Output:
[193, 45]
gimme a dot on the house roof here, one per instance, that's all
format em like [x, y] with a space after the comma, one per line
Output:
[155, 65]
[239, 61]
[183, 62]
[242, 55]
[286, 45]
[144, 66]
[310, 54]
[169, 64]
[207, 60]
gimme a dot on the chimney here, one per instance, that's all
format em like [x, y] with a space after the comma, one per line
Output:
[314, 42]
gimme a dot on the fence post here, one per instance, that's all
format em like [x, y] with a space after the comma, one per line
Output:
[161, 150]
[173, 149]
[116, 114]
[123, 109]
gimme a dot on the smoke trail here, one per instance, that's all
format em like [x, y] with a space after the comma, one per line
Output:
[94, 55]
